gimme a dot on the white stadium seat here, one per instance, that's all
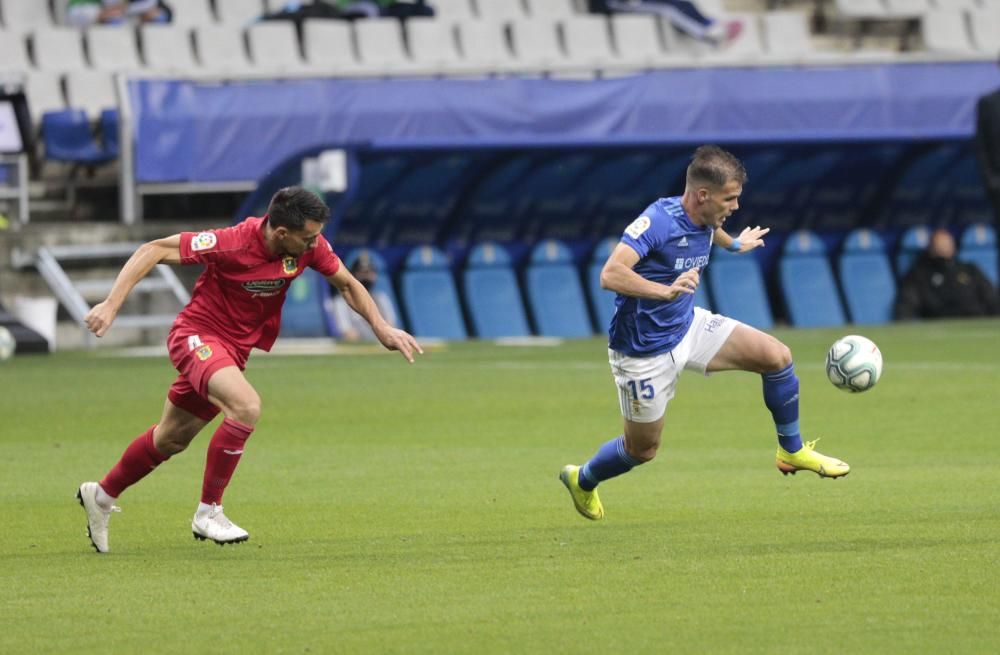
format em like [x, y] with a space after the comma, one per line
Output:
[945, 31]
[484, 44]
[191, 13]
[637, 40]
[433, 46]
[167, 48]
[786, 34]
[45, 93]
[453, 10]
[238, 13]
[59, 49]
[380, 46]
[13, 53]
[221, 50]
[536, 46]
[748, 46]
[328, 46]
[91, 91]
[550, 9]
[907, 8]
[985, 24]
[113, 48]
[500, 11]
[25, 15]
[274, 47]
[588, 42]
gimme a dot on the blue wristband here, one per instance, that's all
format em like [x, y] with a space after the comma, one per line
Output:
[735, 246]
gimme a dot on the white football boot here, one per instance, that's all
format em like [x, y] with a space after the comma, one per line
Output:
[97, 516]
[213, 524]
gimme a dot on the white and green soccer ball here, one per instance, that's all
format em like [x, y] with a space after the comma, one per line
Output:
[7, 344]
[854, 363]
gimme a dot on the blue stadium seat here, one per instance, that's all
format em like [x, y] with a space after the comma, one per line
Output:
[492, 295]
[866, 277]
[429, 295]
[807, 284]
[109, 132]
[68, 138]
[383, 282]
[979, 246]
[737, 287]
[913, 242]
[555, 295]
[602, 301]
[303, 314]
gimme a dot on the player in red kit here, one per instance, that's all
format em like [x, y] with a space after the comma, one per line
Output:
[236, 306]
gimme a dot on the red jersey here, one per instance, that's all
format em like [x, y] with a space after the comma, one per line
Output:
[239, 295]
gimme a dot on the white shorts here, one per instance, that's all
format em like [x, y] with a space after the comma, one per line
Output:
[646, 384]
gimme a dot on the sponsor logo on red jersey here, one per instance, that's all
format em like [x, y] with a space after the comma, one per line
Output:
[264, 288]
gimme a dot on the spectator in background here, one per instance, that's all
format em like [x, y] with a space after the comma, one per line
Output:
[84, 13]
[682, 14]
[987, 143]
[940, 286]
[347, 321]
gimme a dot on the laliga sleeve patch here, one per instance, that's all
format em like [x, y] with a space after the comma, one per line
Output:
[637, 227]
[203, 241]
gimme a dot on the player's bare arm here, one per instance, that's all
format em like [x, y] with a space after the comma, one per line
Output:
[749, 238]
[618, 276]
[358, 299]
[160, 251]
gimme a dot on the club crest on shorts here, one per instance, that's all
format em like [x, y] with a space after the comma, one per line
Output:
[289, 265]
[204, 241]
[204, 352]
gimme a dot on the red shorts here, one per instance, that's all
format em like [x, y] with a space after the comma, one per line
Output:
[196, 357]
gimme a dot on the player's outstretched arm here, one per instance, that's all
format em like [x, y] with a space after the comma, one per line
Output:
[749, 238]
[358, 299]
[138, 266]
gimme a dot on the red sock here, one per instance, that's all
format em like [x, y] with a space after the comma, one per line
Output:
[223, 455]
[138, 461]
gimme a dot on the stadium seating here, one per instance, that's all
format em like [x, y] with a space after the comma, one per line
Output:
[913, 242]
[68, 138]
[109, 123]
[21, 16]
[221, 50]
[13, 54]
[92, 91]
[737, 288]
[381, 48]
[429, 297]
[555, 296]
[807, 284]
[638, 41]
[302, 314]
[113, 48]
[979, 246]
[492, 294]
[58, 49]
[45, 94]
[944, 31]
[327, 46]
[274, 47]
[191, 13]
[866, 277]
[383, 279]
[167, 49]
[602, 301]
[551, 9]
[985, 24]
[238, 13]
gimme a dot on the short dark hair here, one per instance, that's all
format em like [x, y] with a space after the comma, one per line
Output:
[715, 166]
[292, 206]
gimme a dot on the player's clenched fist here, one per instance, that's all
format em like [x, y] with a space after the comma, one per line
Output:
[100, 318]
[686, 282]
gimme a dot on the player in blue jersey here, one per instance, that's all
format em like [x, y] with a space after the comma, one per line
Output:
[657, 332]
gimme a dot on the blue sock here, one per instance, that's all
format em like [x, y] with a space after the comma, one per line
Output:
[781, 395]
[611, 460]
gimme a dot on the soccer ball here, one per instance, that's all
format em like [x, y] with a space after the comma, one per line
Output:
[854, 363]
[7, 344]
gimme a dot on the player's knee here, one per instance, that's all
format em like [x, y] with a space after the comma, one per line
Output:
[777, 356]
[246, 410]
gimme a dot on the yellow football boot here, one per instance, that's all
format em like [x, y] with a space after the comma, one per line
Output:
[587, 502]
[808, 459]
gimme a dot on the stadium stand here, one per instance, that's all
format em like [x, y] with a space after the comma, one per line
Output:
[327, 45]
[274, 47]
[303, 315]
[866, 278]
[602, 301]
[68, 138]
[430, 300]
[238, 13]
[492, 295]
[58, 49]
[92, 91]
[737, 288]
[979, 246]
[639, 42]
[807, 284]
[555, 296]
[113, 48]
[222, 50]
[25, 15]
[191, 13]
[167, 49]
[913, 242]
[383, 281]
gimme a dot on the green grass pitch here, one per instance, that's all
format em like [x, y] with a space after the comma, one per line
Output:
[416, 509]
